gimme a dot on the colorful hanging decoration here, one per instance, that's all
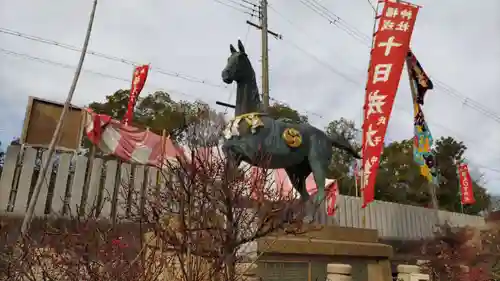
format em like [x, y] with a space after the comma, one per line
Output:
[423, 140]
[388, 56]
[138, 81]
[422, 143]
[465, 180]
[422, 80]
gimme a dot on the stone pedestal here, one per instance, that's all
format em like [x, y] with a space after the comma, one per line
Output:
[411, 273]
[247, 271]
[359, 248]
[338, 272]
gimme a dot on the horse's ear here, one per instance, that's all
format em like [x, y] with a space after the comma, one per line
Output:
[241, 47]
[232, 49]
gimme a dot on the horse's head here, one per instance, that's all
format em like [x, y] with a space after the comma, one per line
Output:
[238, 66]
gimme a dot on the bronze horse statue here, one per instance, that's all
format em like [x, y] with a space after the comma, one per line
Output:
[298, 148]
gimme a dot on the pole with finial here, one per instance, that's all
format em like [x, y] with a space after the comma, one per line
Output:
[57, 132]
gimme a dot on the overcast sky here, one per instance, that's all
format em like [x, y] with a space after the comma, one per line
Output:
[317, 68]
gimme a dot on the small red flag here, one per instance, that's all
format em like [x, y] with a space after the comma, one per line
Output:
[465, 185]
[140, 76]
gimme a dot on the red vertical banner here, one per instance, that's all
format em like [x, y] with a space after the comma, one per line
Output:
[466, 190]
[391, 45]
[331, 198]
[138, 81]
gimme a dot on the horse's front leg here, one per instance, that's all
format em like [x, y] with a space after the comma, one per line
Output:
[310, 210]
[233, 161]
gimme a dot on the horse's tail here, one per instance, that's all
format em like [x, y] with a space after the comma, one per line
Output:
[340, 142]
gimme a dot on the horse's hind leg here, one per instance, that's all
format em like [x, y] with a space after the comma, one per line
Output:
[298, 175]
[319, 162]
[319, 173]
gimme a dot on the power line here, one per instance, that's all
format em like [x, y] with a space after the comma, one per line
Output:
[330, 67]
[104, 75]
[334, 19]
[468, 102]
[374, 8]
[325, 64]
[298, 27]
[149, 85]
[158, 70]
[50, 62]
[333, 69]
[479, 166]
[244, 5]
[172, 73]
[238, 6]
[448, 90]
[337, 21]
[111, 58]
[88, 71]
[315, 6]
[251, 3]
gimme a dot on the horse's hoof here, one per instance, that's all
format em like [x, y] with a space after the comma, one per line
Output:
[315, 227]
[308, 219]
[276, 210]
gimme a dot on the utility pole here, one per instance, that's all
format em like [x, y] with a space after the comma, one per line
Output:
[265, 50]
[265, 54]
[55, 137]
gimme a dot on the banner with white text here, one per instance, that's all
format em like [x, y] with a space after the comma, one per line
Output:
[391, 46]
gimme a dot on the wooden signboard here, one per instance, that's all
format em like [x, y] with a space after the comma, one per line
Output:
[41, 121]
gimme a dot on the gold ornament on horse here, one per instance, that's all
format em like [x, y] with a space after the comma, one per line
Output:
[292, 137]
